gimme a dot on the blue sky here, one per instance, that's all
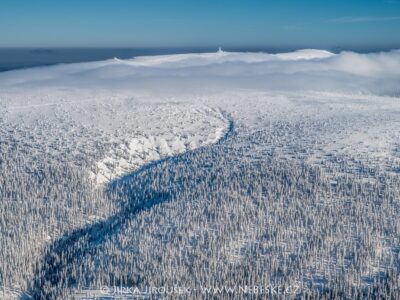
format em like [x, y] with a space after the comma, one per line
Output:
[202, 23]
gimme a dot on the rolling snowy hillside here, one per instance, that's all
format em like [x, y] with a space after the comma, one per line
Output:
[201, 169]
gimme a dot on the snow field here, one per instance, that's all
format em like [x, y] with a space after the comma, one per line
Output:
[305, 186]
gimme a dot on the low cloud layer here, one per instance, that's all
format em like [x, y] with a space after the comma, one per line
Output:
[376, 73]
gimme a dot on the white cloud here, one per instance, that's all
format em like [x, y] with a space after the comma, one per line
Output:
[391, 1]
[377, 73]
[363, 19]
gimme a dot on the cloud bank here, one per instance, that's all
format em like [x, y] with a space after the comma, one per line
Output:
[376, 73]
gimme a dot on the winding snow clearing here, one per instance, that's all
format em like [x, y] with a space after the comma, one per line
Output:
[201, 127]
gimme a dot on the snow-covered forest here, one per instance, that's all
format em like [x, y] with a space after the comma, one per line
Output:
[199, 171]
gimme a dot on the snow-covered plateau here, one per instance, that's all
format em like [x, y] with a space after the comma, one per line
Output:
[202, 170]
